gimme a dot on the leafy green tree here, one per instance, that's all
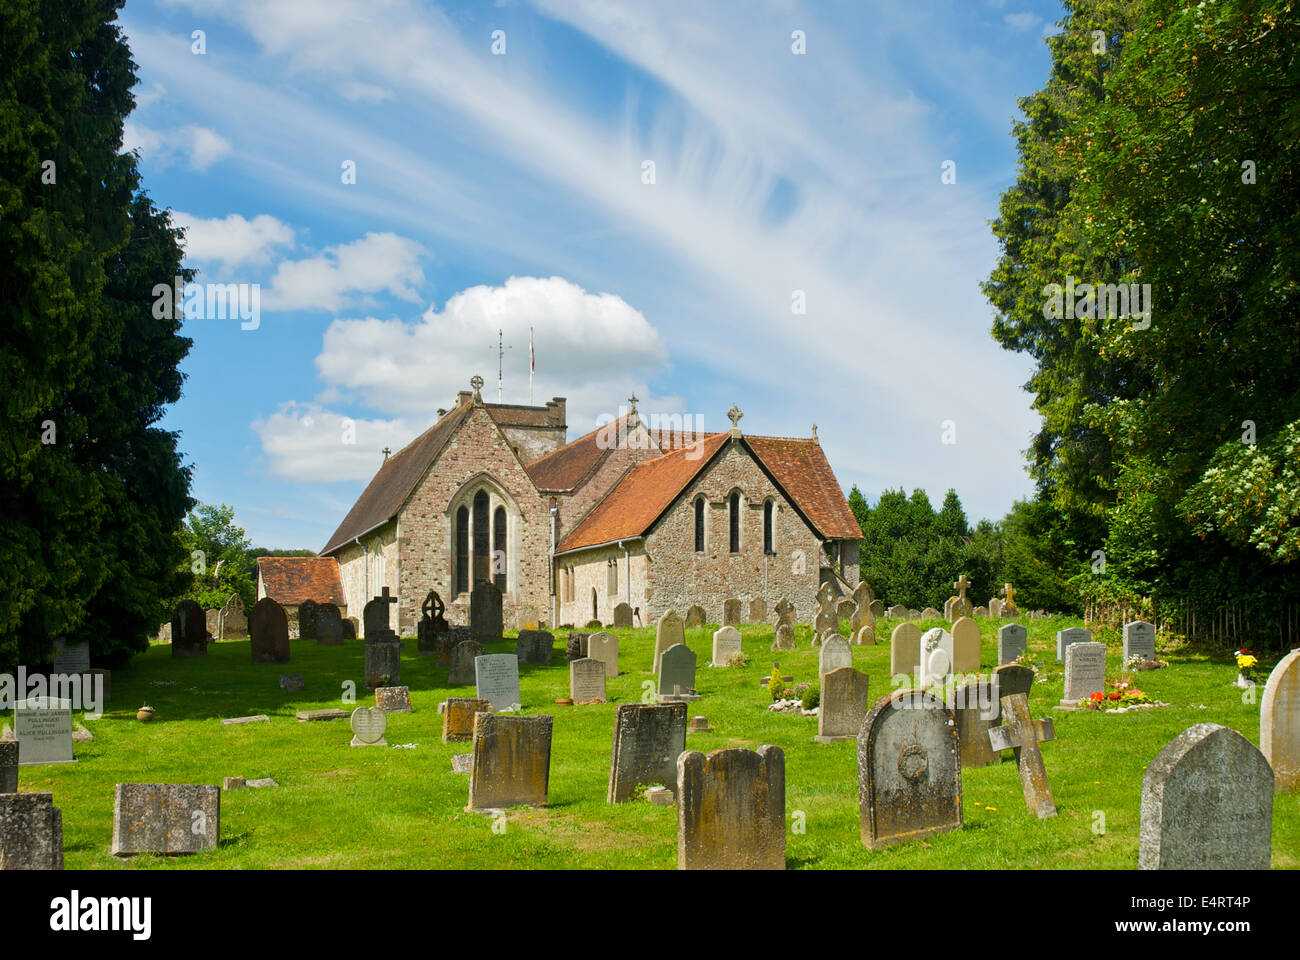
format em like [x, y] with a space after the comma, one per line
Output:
[219, 557]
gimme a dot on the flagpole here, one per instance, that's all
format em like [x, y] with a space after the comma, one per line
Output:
[532, 365]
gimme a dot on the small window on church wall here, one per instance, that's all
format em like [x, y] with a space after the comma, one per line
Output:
[462, 551]
[699, 525]
[499, 548]
[734, 522]
[482, 537]
[612, 577]
[769, 510]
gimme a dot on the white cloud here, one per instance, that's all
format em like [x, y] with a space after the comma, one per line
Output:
[232, 241]
[309, 443]
[359, 92]
[199, 146]
[329, 281]
[1022, 21]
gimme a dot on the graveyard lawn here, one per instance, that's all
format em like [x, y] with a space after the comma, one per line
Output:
[402, 807]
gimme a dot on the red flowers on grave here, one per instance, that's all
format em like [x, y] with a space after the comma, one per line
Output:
[1097, 697]
[1116, 695]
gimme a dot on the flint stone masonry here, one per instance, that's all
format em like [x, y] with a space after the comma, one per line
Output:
[909, 770]
[1013, 642]
[43, 728]
[458, 717]
[1085, 671]
[587, 681]
[731, 809]
[512, 761]
[31, 832]
[1207, 804]
[268, 631]
[496, 678]
[843, 705]
[576, 646]
[726, 644]
[1279, 722]
[1139, 640]
[604, 647]
[534, 646]
[1068, 636]
[189, 630]
[463, 656]
[165, 818]
[648, 738]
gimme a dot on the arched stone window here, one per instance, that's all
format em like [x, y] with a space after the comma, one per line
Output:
[595, 612]
[769, 526]
[486, 526]
[699, 524]
[482, 537]
[462, 551]
[499, 529]
[733, 521]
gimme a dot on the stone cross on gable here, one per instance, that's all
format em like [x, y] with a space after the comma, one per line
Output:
[961, 585]
[477, 383]
[1020, 731]
[1009, 592]
[734, 415]
[387, 452]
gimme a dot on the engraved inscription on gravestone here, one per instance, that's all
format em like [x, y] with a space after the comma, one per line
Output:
[496, 675]
[43, 727]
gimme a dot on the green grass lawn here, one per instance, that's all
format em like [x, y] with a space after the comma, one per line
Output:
[344, 807]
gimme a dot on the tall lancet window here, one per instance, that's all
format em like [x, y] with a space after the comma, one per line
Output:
[733, 522]
[462, 552]
[482, 537]
[699, 525]
[769, 542]
[499, 548]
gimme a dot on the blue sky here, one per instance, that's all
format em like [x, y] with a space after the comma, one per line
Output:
[509, 190]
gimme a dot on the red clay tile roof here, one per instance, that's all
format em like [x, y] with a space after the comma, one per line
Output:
[515, 415]
[567, 467]
[389, 488]
[291, 580]
[642, 495]
[800, 467]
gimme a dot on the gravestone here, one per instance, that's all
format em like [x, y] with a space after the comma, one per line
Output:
[526, 617]
[512, 761]
[668, 631]
[587, 681]
[961, 606]
[862, 617]
[898, 611]
[863, 595]
[383, 661]
[965, 646]
[732, 614]
[1013, 642]
[1085, 671]
[496, 678]
[975, 712]
[213, 619]
[375, 618]
[463, 656]
[1068, 636]
[731, 809]
[1021, 732]
[622, 615]
[234, 621]
[947, 609]
[292, 682]
[534, 646]
[827, 617]
[31, 832]
[843, 705]
[648, 738]
[43, 728]
[575, 647]
[350, 627]
[604, 647]
[784, 639]
[929, 613]
[368, 726]
[458, 717]
[71, 657]
[1009, 680]
[784, 610]
[393, 699]
[1207, 804]
[329, 626]
[307, 619]
[835, 653]
[877, 608]
[905, 650]
[166, 818]
[677, 671]
[433, 626]
[268, 632]
[909, 770]
[1279, 722]
[8, 766]
[866, 635]
[757, 610]
[936, 656]
[726, 644]
[694, 616]
[485, 624]
[980, 612]
[189, 630]
[995, 608]
[844, 610]
[1139, 640]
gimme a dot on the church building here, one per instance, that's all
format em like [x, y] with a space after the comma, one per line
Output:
[656, 518]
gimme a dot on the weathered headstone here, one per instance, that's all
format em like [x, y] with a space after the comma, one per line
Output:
[929, 613]
[31, 832]
[485, 624]
[694, 616]
[307, 610]
[234, 621]
[835, 653]
[268, 632]
[843, 705]
[1068, 636]
[458, 717]
[668, 631]
[329, 626]
[784, 610]
[168, 818]
[433, 626]
[587, 681]
[905, 650]
[965, 646]
[383, 661]
[909, 770]
[784, 639]
[897, 611]
[368, 726]
[8, 766]
[575, 646]
[1013, 642]
[1085, 671]
[648, 738]
[622, 615]
[1139, 640]
[844, 610]
[866, 635]
[863, 595]
[534, 646]
[496, 677]
[189, 630]
[757, 610]
[726, 644]
[1009, 680]
[1021, 732]
[877, 608]
[393, 699]
[980, 612]
[936, 656]
[1207, 804]
[947, 609]
[43, 728]
[1279, 722]
[463, 656]
[975, 712]
[732, 612]
[71, 657]
[962, 606]
[512, 761]
[677, 671]
[731, 809]
[604, 647]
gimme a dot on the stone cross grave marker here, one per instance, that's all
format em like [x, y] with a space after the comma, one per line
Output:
[1008, 680]
[165, 818]
[1009, 607]
[512, 761]
[1085, 671]
[843, 705]
[433, 625]
[587, 681]
[1068, 636]
[668, 631]
[1207, 804]
[1279, 722]
[496, 677]
[726, 644]
[43, 727]
[485, 617]
[963, 606]
[1020, 730]
[1013, 642]
[463, 655]
[648, 737]
[731, 809]
[368, 726]
[268, 632]
[909, 770]
[375, 617]
[604, 647]
[1139, 640]
[31, 832]
[458, 717]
